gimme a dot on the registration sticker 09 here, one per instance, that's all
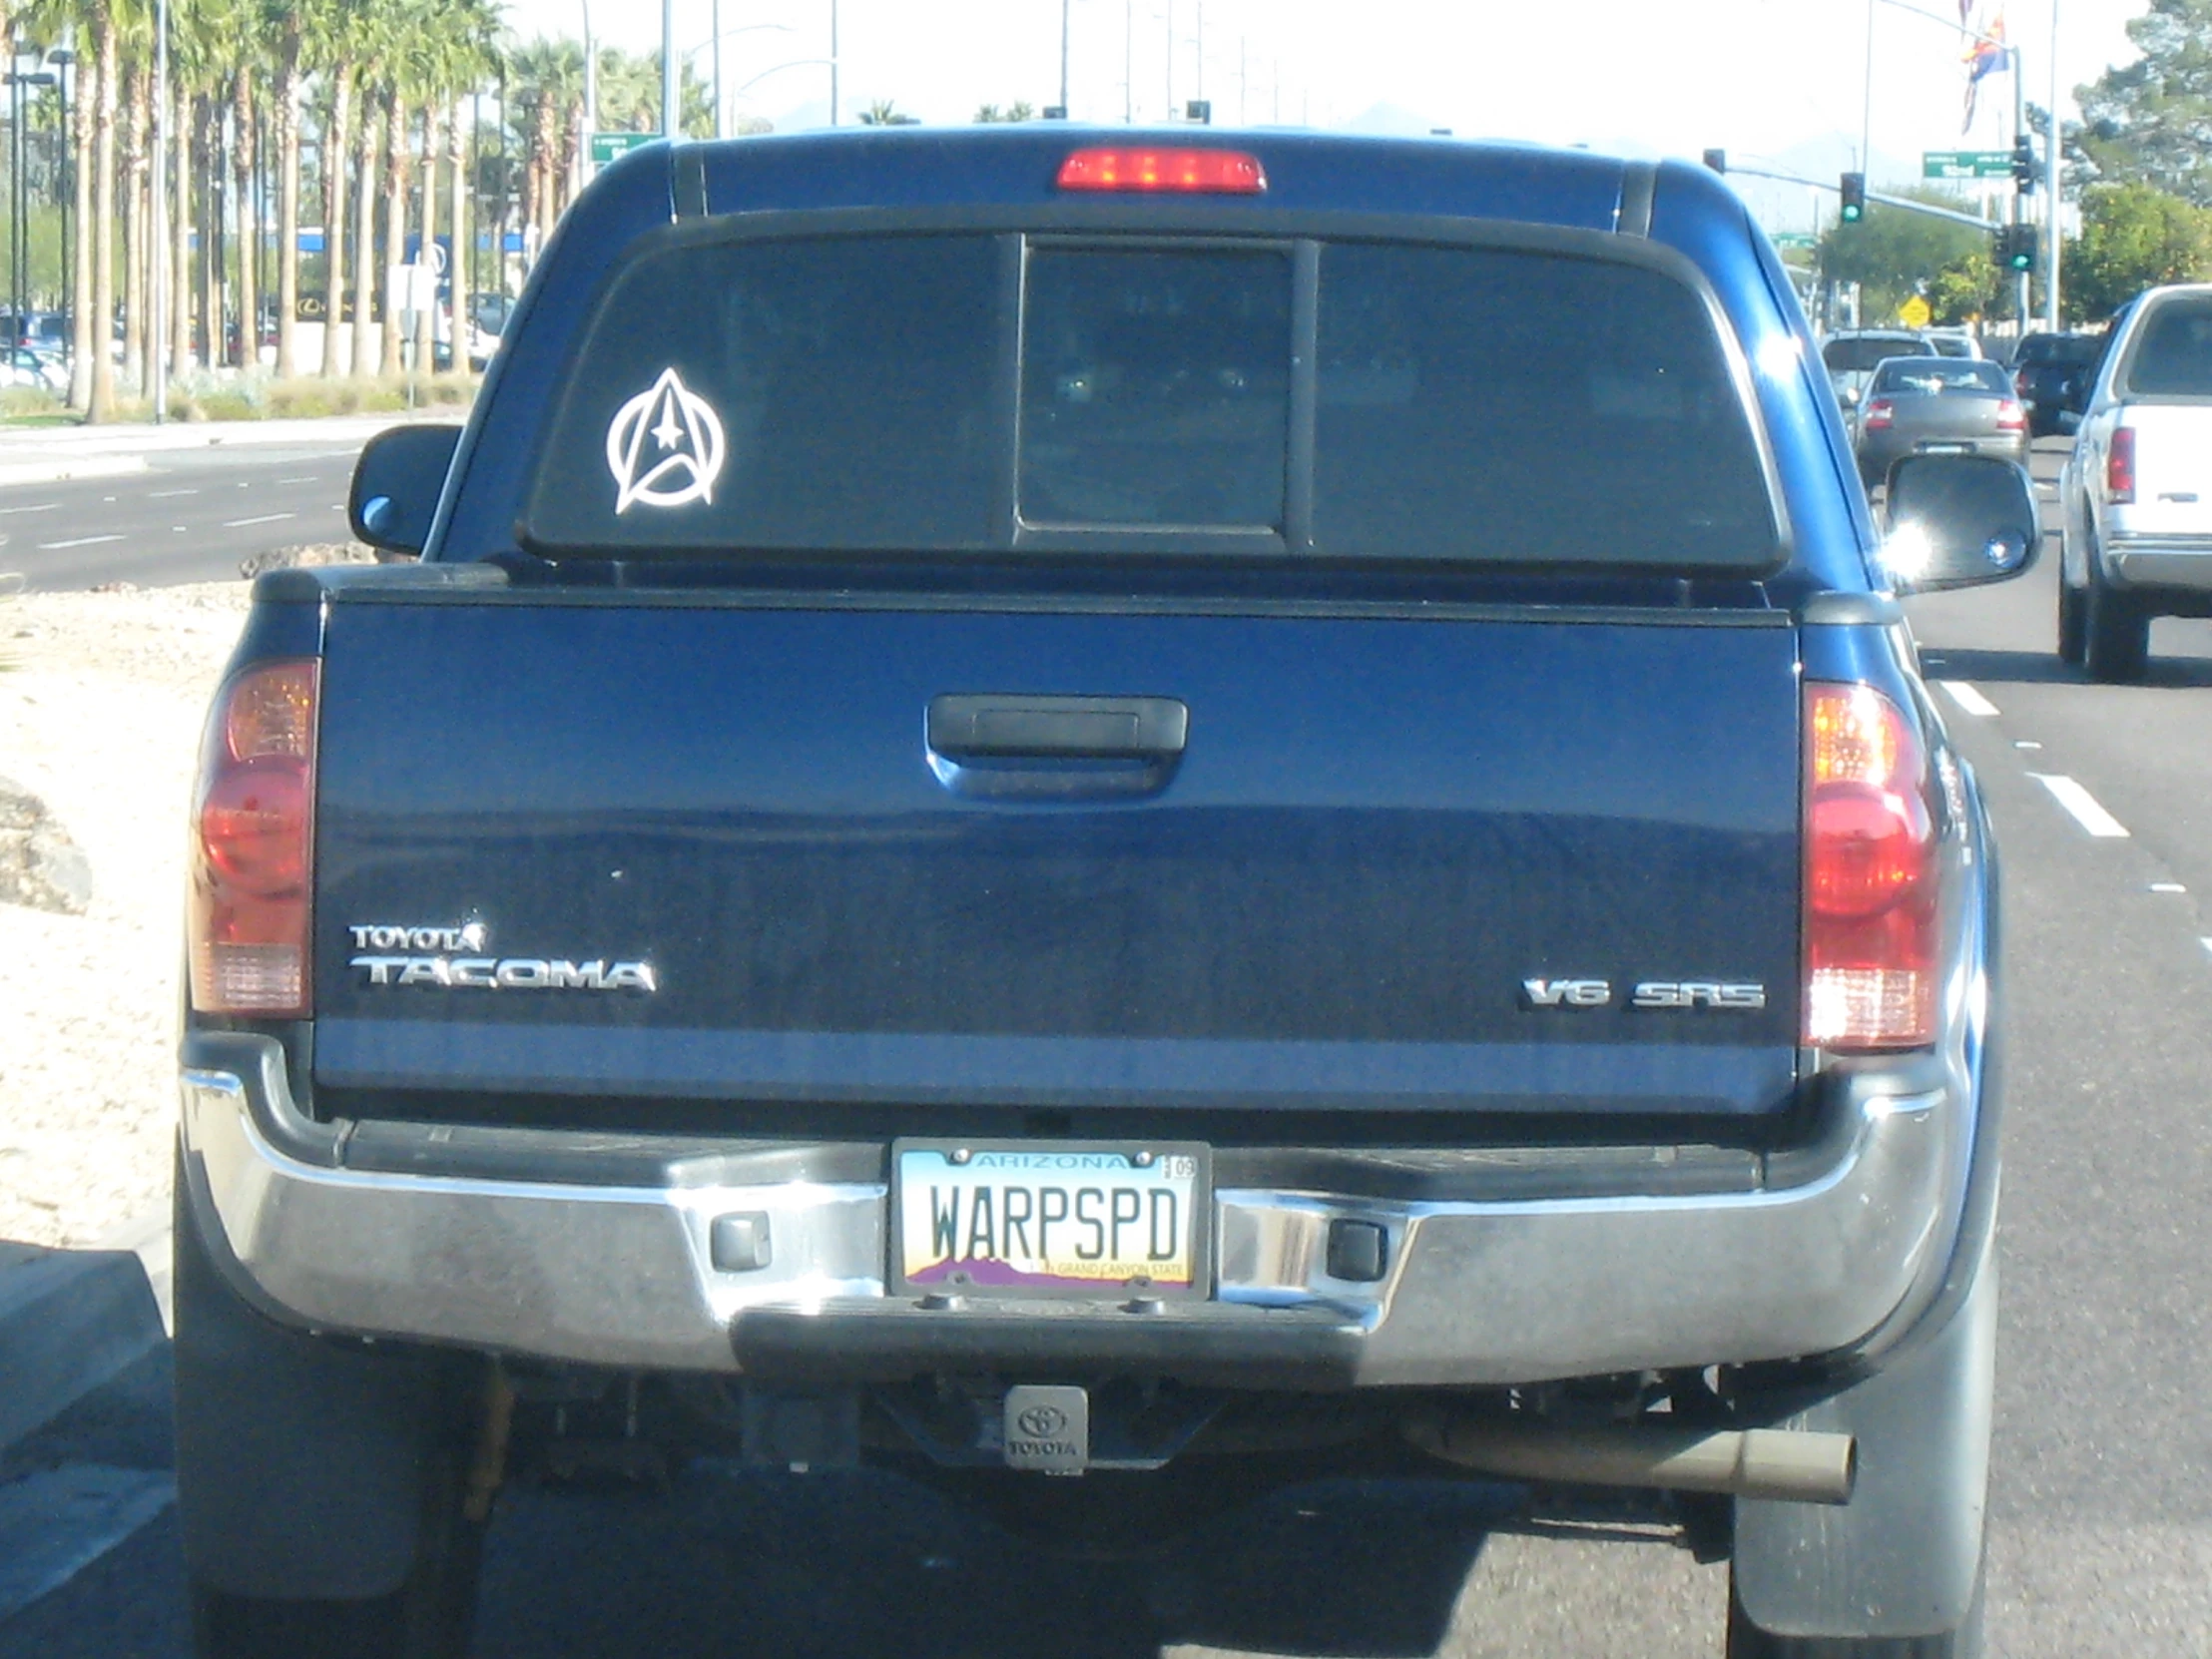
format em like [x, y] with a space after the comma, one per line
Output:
[1053, 1220]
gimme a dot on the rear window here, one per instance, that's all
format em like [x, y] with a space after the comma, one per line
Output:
[1935, 376]
[987, 394]
[1848, 356]
[2172, 354]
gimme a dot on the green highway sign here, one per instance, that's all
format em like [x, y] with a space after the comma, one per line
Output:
[605, 147]
[1966, 163]
[1792, 239]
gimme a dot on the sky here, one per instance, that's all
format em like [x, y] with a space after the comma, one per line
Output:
[1769, 81]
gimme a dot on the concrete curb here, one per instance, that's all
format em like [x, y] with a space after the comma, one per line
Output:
[72, 1319]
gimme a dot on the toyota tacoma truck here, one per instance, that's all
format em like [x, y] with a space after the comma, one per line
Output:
[1105, 814]
[2135, 495]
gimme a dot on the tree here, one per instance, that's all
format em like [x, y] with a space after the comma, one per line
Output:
[884, 112]
[1894, 253]
[2133, 237]
[2150, 122]
[1020, 109]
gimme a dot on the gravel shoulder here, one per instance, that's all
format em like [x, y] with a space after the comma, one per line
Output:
[102, 695]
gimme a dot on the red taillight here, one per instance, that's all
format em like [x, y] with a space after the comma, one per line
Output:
[2119, 465]
[253, 844]
[1201, 172]
[2011, 418]
[1869, 876]
[1880, 414]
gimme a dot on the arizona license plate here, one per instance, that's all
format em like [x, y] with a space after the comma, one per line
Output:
[1061, 1220]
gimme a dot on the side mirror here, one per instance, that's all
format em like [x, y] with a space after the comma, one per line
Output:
[1958, 521]
[397, 484]
[1849, 397]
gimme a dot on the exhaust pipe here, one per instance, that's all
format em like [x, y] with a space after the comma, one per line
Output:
[1791, 1465]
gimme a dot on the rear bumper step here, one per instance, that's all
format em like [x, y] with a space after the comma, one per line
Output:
[1473, 1293]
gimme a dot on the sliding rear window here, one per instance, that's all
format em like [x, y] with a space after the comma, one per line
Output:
[987, 394]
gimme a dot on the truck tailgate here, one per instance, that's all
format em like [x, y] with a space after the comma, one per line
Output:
[2173, 469]
[1378, 832]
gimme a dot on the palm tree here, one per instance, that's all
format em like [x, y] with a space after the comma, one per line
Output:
[101, 22]
[291, 21]
[546, 80]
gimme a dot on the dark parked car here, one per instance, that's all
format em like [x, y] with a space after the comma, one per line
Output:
[1937, 406]
[2051, 376]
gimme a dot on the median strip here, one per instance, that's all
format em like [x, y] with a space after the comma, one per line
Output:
[2081, 805]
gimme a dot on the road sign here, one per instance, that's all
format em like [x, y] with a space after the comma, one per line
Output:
[1913, 313]
[1966, 163]
[1792, 239]
[605, 147]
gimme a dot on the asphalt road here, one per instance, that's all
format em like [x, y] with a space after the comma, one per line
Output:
[2101, 1539]
[192, 516]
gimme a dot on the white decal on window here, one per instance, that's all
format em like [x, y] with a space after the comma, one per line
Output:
[664, 447]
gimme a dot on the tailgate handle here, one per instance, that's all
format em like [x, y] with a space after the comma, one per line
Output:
[964, 728]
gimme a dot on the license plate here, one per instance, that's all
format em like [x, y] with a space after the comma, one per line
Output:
[1026, 1219]
[1946, 449]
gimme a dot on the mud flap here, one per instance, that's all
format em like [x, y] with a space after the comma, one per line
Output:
[1902, 1557]
[301, 1460]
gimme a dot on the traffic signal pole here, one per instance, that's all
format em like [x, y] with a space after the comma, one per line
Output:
[2019, 195]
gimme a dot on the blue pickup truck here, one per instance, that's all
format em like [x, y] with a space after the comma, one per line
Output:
[1051, 801]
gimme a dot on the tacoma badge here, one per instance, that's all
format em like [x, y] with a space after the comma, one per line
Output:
[436, 957]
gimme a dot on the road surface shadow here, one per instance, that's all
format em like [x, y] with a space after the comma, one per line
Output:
[867, 1563]
[1953, 662]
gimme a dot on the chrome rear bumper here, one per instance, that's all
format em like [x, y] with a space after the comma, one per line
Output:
[1840, 1252]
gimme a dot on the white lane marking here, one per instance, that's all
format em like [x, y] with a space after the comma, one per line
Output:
[176, 529]
[81, 541]
[2207, 943]
[1964, 694]
[302, 480]
[2081, 804]
[162, 495]
[2168, 887]
[266, 518]
[2023, 743]
[42, 507]
[55, 1524]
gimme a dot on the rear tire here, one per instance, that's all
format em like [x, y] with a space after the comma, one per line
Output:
[290, 1456]
[2073, 621]
[2117, 635]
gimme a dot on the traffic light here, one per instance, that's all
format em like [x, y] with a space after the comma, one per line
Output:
[1855, 197]
[1717, 159]
[2016, 246]
[2024, 164]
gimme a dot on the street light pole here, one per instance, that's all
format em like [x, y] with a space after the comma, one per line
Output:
[2050, 183]
[717, 22]
[591, 100]
[832, 62]
[670, 73]
[1063, 58]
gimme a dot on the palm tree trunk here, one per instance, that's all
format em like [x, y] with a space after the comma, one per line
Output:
[288, 208]
[250, 241]
[396, 227]
[426, 328]
[457, 261]
[365, 244]
[103, 220]
[336, 142]
[80, 278]
[179, 231]
[207, 214]
[137, 372]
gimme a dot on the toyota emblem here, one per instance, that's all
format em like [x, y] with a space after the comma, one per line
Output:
[1041, 1422]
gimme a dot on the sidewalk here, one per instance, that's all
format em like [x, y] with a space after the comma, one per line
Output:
[50, 454]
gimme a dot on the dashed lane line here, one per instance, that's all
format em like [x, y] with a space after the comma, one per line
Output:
[266, 518]
[80, 541]
[162, 495]
[1968, 697]
[2081, 805]
[42, 507]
